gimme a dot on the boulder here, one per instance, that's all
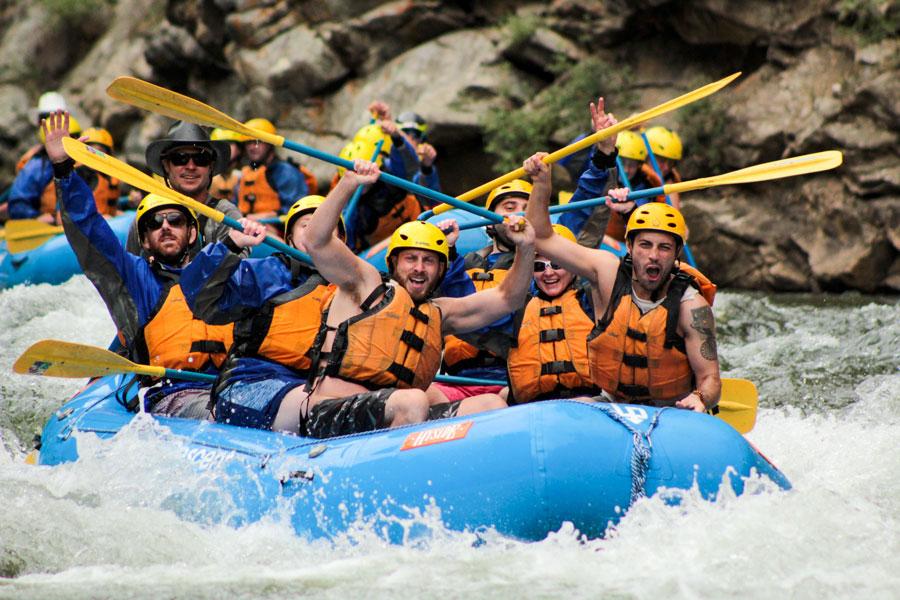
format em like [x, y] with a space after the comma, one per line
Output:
[297, 63]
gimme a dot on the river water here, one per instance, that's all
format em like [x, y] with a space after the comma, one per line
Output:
[828, 370]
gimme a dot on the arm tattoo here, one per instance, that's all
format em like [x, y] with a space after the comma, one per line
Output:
[703, 322]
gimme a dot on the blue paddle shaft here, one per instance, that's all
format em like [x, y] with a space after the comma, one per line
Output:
[289, 250]
[397, 181]
[622, 174]
[190, 376]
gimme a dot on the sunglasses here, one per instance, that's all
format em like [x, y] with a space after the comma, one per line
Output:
[542, 265]
[175, 219]
[179, 159]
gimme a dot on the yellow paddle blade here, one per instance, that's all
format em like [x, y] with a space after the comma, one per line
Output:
[26, 234]
[100, 161]
[787, 167]
[55, 358]
[738, 404]
[628, 123]
[154, 98]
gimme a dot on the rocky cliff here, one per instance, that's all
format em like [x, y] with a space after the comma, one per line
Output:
[817, 75]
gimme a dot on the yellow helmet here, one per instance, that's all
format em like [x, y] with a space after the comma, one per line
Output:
[664, 142]
[657, 216]
[565, 232]
[516, 186]
[261, 124]
[98, 135]
[226, 135]
[151, 202]
[74, 129]
[373, 134]
[419, 235]
[301, 207]
[363, 149]
[630, 145]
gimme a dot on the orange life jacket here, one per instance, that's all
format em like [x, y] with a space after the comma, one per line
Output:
[549, 358]
[641, 358]
[392, 343]
[106, 195]
[255, 194]
[460, 354]
[28, 155]
[173, 338]
[404, 211]
[222, 188]
[312, 184]
[285, 328]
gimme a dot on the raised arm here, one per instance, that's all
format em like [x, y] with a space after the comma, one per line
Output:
[582, 261]
[698, 325]
[483, 308]
[334, 260]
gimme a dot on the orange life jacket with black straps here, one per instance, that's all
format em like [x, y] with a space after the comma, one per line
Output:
[549, 357]
[640, 358]
[255, 193]
[393, 342]
[408, 209]
[175, 339]
[105, 188]
[222, 187]
[285, 328]
[462, 352]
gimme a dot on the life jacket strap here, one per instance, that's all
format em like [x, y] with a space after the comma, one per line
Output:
[635, 361]
[557, 367]
[552, 335]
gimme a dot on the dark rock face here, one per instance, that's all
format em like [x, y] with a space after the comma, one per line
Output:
[817, 75]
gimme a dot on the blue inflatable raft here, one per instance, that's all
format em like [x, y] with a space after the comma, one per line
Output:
[523, 471]
[53, 261]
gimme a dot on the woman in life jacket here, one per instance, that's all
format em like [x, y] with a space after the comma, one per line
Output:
[548, 354]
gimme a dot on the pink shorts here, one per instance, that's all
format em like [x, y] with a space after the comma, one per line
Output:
[455, 393]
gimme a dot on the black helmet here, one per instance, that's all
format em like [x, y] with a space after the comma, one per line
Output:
[187, 134]
[411, 122]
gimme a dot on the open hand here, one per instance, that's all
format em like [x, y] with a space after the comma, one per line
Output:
[55, 128]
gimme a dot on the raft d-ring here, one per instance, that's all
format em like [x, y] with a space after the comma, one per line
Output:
[63, 414]
[317, 450]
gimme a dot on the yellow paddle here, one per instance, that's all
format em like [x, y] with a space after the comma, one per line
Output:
[100, 161]
[779, 169]
[27, 234]
[628, 123]
[148, 96]
[55, 358]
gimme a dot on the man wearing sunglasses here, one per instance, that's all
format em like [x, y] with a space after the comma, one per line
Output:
[187, 159]
[143, 293]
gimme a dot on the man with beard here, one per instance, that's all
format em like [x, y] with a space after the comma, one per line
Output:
[143, 295]
[656, 340]
[187, 160]
[380, 342]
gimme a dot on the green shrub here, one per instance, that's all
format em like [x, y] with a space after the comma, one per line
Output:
[558, 111]
[873, 20]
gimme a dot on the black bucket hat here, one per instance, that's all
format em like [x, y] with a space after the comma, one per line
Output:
[187, 134]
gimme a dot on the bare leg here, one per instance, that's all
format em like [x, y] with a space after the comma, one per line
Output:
[288, 417]
[404, 407]
[435, 395]
[480, 403]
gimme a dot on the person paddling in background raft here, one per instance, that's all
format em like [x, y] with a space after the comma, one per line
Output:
[415, 129]
[380, 342]
[33, 193]
[276, 303]
[187, 160]
[105, 188]
[655, 342]
[547, 358]
[268, 185]
[143, 295]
